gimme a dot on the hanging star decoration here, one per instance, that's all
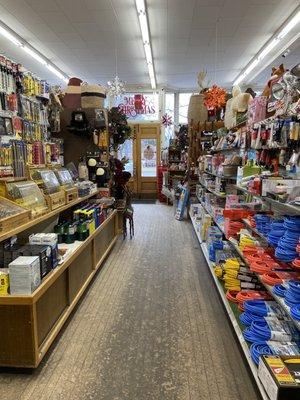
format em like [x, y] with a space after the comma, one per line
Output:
[116, 87]
[166, 120]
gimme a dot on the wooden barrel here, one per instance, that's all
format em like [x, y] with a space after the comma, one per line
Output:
[197, 110]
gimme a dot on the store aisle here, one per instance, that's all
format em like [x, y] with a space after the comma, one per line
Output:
[151, 327]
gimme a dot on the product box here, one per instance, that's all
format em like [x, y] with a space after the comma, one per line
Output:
[4, 281]
[9, 251]
[49, 239]
[280, 376]
[43, 252]
[24, 275]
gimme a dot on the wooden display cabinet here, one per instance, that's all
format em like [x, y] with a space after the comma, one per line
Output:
[30, 323]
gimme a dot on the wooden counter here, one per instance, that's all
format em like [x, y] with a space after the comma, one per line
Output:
[29, 324]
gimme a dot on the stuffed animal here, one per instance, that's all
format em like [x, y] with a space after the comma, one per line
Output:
[276, 73]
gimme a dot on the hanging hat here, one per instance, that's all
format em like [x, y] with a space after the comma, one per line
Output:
[72, 94]
[75, 82]
[92, 96]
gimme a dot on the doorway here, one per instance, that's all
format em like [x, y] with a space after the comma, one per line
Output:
[143, 154]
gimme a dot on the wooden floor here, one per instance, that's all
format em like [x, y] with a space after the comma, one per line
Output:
[151, 327]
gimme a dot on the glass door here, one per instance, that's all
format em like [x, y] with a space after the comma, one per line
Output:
[148, 157]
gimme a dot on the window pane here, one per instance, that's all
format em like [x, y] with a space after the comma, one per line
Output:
[184, 99]
[148, 157]
[126, 152]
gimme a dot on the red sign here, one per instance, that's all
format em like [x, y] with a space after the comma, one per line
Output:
[135, 104]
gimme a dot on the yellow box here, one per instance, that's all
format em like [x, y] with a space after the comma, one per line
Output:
[4, 283]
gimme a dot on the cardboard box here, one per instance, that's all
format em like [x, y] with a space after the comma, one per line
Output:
[49, 239]
[280, 376]
[24, 275]
[44, 254]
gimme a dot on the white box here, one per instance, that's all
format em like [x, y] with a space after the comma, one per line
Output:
[24, 275]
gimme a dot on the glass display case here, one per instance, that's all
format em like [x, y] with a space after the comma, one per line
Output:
[28, 195]
[47, 180]
[64, 177]
[12, 215]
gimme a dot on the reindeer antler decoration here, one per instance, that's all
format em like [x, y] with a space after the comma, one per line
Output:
[201, 78]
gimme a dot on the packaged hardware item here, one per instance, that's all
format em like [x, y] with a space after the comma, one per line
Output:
[24, 275]
[280, 376]
[49, 239]
[43, 252]
[4, 281]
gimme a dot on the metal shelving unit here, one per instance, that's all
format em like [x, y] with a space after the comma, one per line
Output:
[235, 325]
[280, 207]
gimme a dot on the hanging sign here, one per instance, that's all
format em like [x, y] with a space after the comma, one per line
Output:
[138, 106]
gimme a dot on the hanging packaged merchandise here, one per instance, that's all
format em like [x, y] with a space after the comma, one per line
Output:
[294, 130]
[92, 96]
[79, 124]
[100, 121]
[251, 169]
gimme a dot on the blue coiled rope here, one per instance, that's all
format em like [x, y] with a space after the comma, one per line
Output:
[247, 318]
[290, 300]
[295, 312]
[257, 307]
[263, 223]
[294, 288]
[276, 232]
[286, 245]
[279, 290]
[252, 337]
[292, 294]
[259, 349]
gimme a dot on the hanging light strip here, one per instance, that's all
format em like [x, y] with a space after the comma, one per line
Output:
[288, 26]
[20, 42]
[143, 20]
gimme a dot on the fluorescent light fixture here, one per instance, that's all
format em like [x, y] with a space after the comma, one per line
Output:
[144, 27]
[18, 41]
[148, 53]
[251, 66]
[34, 55]
[292, 22]
[143, 20]
[8, 35]
[266, 50]
[56, 72]
[289, 26]
[152, 76]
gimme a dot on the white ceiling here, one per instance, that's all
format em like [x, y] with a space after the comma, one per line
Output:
[79, 36]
